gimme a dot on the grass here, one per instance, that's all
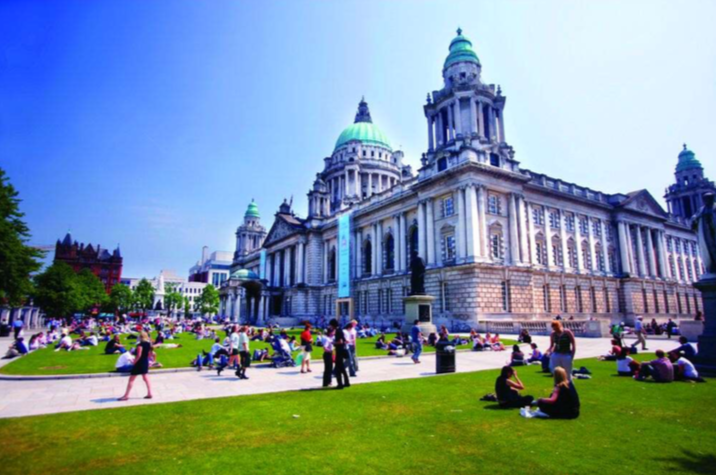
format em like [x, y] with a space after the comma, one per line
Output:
[428, 425]
[50, 362]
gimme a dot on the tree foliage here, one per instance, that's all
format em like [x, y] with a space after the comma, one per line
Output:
[58, 291]
[144, 295]
[17, 259]
[173, 299]
[92, 290]
[120, 298]
[208, 302]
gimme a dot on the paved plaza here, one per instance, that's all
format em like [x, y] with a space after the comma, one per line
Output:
[25, 398]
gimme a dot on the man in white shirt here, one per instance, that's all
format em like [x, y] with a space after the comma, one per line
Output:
[686, 369]
[640, 332]
[351, 335]
[65, 343]
[244, 353]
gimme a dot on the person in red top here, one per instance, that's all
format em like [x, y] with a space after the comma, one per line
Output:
[307, 346]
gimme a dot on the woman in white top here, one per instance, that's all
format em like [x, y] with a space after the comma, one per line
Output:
[624, 366]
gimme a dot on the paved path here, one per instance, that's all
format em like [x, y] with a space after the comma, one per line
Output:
[24, 398]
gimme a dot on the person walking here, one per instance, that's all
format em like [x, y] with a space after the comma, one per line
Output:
[244, 353]
[141, 366]
[327, 343]
[640, 332]
[17, 326]
[416, 336]
[351, 337]
[340, 343]
[307, 348]
[234, 347]
[562, 348]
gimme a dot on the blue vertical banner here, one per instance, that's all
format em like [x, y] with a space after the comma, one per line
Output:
[344, 256]
[262, 265]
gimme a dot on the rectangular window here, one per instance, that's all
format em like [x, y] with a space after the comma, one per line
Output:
[448, 207]
[554, 220]
[570, 223]
[444, 297]
[593, 293]
[572, 256]
[578, 295]
[656, 302]
[449, 248]
[583, 226]
[496, 246]
[541, 253]
[597, 228]
[545, 294]
[669, 244]
[557, 254]
[538, 215]
[666, 302]
[494, 205]
[505, 291]
[646, 301]
[563, 298]
[607, 304]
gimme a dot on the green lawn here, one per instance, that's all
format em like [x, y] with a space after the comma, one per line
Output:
[418, 426]
[51, 362]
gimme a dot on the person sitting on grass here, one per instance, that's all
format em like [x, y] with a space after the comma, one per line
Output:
[507, 387]
[536, 355]
[380, 343]
[626, 366]
[661, 370]
[396, 344]
[614, 352]
[524, 337]
[125, 362]
[517, 358]
[496, 343]
[67, 344]
[18, 348]
[686, 349]
[36, 342]
[478, 343]
[91, 340]
[564, 401]
[114, 346]
[684, 370]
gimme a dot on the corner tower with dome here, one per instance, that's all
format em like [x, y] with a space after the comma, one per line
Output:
[502, 244]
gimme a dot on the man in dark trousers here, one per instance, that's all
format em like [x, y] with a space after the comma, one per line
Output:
[340, 345]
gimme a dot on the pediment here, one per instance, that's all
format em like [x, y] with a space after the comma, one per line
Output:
[643, 202]
[280, 230]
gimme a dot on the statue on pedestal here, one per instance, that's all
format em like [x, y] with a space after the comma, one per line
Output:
[417, 274]
[704, 223]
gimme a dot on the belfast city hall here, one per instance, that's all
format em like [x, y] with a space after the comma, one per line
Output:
[500, 242]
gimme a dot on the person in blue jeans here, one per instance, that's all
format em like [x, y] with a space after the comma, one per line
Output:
[416, 336]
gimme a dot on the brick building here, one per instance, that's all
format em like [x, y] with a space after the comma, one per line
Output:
[105, 265]
[500, 242]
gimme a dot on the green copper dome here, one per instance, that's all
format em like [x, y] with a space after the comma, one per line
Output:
[363, 130]
[244, 274]
[252, 211]
[461, 51]
[687, 160]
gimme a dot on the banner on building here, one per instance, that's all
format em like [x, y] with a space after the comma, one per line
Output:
[262, 265]
[344, 256]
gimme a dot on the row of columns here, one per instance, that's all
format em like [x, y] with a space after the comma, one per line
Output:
[350, 183]
[31, 316]
[297, 265]
[484, 120]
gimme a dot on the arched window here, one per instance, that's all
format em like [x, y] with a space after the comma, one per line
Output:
[599, 254]
[332, 264]
[497, 251]
[572, 253]
[540, 250]
[586, 255]
[367, 257]
[557, 253]
[389, 253]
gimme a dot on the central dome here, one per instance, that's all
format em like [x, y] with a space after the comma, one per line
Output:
[363, 130]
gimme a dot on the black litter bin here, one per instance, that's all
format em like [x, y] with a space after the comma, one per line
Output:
[4, 329]
[444, 357]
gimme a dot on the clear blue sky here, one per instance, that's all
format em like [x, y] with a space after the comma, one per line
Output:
[153, 124]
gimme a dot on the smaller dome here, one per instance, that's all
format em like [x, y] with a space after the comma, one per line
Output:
[245, 274]
[461, 51]
[687, 160]
[252, 211]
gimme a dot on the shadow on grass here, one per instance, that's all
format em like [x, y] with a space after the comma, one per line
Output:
[497, 407]
[693, 463]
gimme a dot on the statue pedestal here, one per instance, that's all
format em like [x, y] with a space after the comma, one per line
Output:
[706, 359]
[419, 307]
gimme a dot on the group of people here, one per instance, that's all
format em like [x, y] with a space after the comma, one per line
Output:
[488, 342]
[676, 365]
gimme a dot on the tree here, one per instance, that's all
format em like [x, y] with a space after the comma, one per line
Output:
[187, 307]
[120, 298]
[58, 292]
[144, 294]
[173, 299]
[208, 302]
[92, 290]
[17, 259]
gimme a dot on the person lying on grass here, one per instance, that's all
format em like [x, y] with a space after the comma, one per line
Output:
[564, 401]
[507, 388]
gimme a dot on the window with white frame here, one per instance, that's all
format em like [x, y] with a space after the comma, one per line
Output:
[494, 204]
[540, 250]
[572, 254]
[599, 254]
[554, 220]
[448, 207]
[496, 243]
[557, 254]
[597, 228]
[583, 226]
[505, 293]
[538, 215]
[448, 242]
[569, 222]
[586, 255]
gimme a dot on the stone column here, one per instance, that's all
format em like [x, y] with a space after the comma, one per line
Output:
[299, 263]
[325, 262]
[514, 239]
[379, 248]
[563, 238]
[578, 243]
[472, 222]
[458, 117]
[592, 244]
[440, 138]
[605, 246]
[481, 118]
[491, 118]
[663, 265]
[622, 230]
[460, 228]
[548, 241]
[502, 126]
[482, 221]
[431, 230]
[397, 249]
[524, 246]
[370, 185]
[640, 252]
[287, 267]
[430, 133]
[451, 131]
[422, 252]
[652, 254]
[359, 254]
[529, 211]
[473, 116]
[402, 242]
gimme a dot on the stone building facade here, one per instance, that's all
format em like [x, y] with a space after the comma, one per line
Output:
[500, 242]
[106, 265]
